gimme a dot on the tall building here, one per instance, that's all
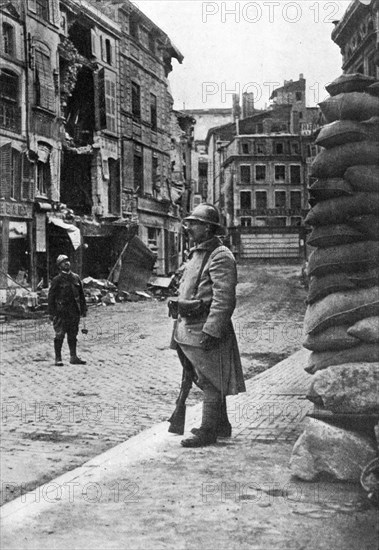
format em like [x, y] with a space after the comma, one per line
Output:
[258, 175]
[85, 118]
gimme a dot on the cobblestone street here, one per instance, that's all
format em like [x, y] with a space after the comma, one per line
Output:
[55, 418]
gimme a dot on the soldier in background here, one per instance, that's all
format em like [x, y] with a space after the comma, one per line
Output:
[66, 304]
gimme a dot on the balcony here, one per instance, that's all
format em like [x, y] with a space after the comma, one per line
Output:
[10, 117]
[272, 212]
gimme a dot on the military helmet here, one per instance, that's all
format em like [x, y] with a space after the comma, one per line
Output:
[62, 258]
[206, 213]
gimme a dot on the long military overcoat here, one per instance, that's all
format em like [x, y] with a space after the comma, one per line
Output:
[221, 365]
[66, 296]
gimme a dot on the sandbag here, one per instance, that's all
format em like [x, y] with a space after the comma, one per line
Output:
[333, 163]
[342, 131]
[367, 226]
[342, 209]
[345, 257]
[341, 308]
[366, 330]
[367, 353]
[331, 188]
[363, 178]
[332, 338]
[319, 287]
[334, 235]
[366, 278]
[351, 82]
[350, 106]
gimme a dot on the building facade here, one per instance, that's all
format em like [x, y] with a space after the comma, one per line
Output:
[85, 118]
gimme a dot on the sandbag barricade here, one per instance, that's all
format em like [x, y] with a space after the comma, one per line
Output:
[341, 324]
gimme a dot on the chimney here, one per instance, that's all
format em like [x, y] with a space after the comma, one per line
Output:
[301, 76]
[247, 104]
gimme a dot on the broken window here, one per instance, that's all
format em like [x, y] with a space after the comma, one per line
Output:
[261, 148]
[44, 84]
[107, 101]
[261, 199]
[8, 85]
[153, 112]
[8, 39]
[114, 187]
[245, 173]
[260, 172]
[138, 172]
[136, 100]
[43, 179]
[280, 172]
[299, 96]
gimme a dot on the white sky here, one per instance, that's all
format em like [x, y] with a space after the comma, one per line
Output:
[264, 41]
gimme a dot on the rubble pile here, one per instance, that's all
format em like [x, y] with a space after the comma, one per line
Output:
[342, 318]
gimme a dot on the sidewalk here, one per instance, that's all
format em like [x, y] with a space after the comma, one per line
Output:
[151, 493]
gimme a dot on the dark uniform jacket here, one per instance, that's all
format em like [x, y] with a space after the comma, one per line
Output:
[220, 365]
[66, 296]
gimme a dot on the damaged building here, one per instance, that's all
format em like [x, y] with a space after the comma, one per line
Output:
[85, 138]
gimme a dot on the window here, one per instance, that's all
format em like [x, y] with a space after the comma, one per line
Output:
[245, 148]
[295, 174]
[245, 222]
[42, 9]
[295, 148]
[114, 187]
[260, 172]
[44, 84]
[295, 199]
[280, 172]
[261, 199]
[153, 112]
[296, 220]
[260, 222]
[108, 51]
[261, 148]
[8, 39]
[133, 27]
[136, 100]
[260, 128]
[27, 189]
[43, 179]
[107, 100]
[282, 222]
[138, 172]
[16, 175]
[280, 199]
[155, 174]
[152, 237]
[245, 173]
[9, 85]
[151, 43]
[245, 200]
[299, 96]
[279, 148]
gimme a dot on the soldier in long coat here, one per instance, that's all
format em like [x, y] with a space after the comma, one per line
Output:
[66, 304]
[208, 343]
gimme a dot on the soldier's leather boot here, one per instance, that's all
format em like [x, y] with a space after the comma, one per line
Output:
[58, 352]
[74, 359]
[207, 433]
[224, 427]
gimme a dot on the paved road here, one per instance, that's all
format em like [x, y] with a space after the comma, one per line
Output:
[55, 418]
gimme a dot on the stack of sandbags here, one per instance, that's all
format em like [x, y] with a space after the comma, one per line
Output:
[341, 324]
[344, 267]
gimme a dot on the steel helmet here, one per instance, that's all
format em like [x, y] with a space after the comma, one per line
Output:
[62, 258]
[206, 213]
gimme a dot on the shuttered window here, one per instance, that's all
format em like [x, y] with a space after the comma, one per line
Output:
[15, 180]
[107, 101]
[44, 86]
[27, 181]
[6, 171]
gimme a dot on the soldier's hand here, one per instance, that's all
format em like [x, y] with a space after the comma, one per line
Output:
[209, 342]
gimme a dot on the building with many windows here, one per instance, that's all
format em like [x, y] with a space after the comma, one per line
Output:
[85, 115]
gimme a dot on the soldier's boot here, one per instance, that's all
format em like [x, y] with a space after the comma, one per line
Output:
[74, 359]
[224, 428]
[58, 343]
[207, 433]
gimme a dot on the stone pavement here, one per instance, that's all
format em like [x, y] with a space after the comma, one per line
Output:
[54, 419]
[150, 493]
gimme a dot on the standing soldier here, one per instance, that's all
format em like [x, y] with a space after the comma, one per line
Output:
[66, 304]
[204, 336]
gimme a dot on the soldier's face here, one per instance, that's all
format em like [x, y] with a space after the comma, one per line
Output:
[65, 266]
[197, 231]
